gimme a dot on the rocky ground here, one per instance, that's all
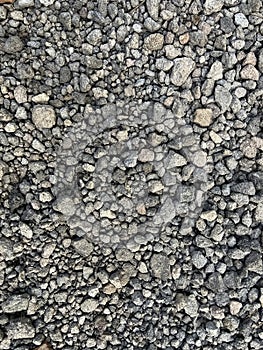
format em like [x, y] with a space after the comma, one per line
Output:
[131, 174]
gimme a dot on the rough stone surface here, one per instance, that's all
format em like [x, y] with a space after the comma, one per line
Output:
[183, 67]
[249, 72]
[43, 116]
[203, 117]
[154, 42]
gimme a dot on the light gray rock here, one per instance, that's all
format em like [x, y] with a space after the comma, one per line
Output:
[5, 115]
[198, 259]
[3, 13]
[13, 44]
[241, 20]
[83, 247]
[20, 94]
[191, 306]
[89, 305]
[154, 42]
[163, 64]
[16, 303]
[183, 67]
[20, 329]
[216, 71]
[94, 37]
[203, 117]
[44, 116]
[22, 4]
[153, 8]
[212, 6]
[223, 97]
[249, 72]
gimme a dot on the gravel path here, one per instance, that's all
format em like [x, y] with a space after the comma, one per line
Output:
[131, 175]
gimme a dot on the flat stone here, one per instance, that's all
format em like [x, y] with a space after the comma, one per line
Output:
[259, 212]
[244, 188]
[22, 4]
[83, 247]
[154, 42]
[235, 307]
[40, 98]
[153, 8]
[199, 158]
[183, 67]
[176, 160]
[146, 155]
[5, 115]
[65, 75]
[223, 97]
[25, 230]
[89, 305]
[44, 116]
[163, 64]
[203, 117]
[216, 71]
[3, 13]
[215, 137]
[20, 329]
[160, 266]
[209, 215]
[241, 20]
[254, 262]
[227, 24]
[191, 306]
[249, 72]
[16, 303]
[94, 37]
[13, 44]
[212, 6]
[199, 260]
[20, 94]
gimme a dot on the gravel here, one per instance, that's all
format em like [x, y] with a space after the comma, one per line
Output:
[131, 174]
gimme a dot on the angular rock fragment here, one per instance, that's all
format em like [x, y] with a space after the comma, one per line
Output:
[183, 67]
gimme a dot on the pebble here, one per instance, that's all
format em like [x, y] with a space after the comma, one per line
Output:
[25, 230]
[20, 94]
[43, 116]
[249, 72]
[235, 307]
[216, 71]
[16, 303]
[154, 42]
[223, 97]
[22, 4]
[20, 329]
[13, 44]
[182, 68]
[203, 117]
[160, 266]
[89, 305]
[199, 260]
[212, 6]
[209, 215]
[241, 20]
